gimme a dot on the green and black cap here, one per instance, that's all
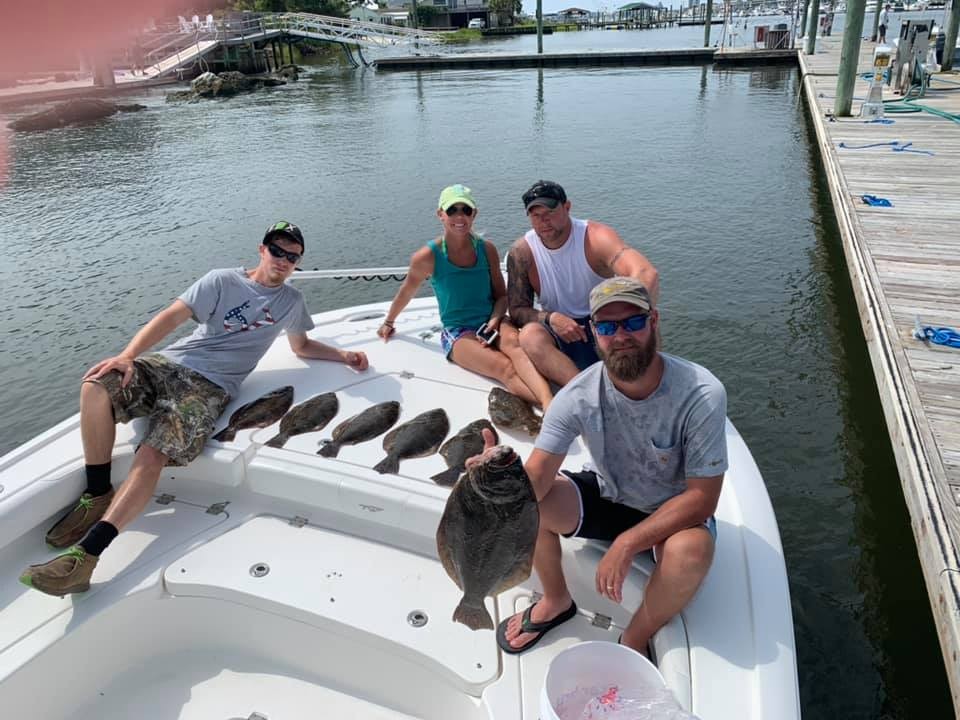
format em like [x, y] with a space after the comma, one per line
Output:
[287, 229]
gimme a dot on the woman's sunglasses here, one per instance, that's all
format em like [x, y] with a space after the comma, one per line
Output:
[454, 209]
[634, 323]
[278, 252]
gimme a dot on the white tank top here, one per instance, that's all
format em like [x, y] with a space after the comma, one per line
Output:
[566, 277]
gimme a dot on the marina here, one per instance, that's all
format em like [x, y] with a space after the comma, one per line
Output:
[798, 372]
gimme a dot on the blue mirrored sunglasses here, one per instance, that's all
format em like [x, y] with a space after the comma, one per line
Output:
[634, 323]
[278, 252]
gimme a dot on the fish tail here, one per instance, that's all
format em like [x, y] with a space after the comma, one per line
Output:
[447, 478]
[329, 449]
[474, 617]
[389, 465]
[278, 440]
[225, 435]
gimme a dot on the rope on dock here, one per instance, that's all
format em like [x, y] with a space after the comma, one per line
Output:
[948, 337]
[894, 145]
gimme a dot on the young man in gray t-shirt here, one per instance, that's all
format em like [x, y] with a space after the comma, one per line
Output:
[182, 389]
[654, 425]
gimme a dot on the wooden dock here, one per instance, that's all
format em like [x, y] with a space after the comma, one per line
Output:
[904, 263]
[683, 56]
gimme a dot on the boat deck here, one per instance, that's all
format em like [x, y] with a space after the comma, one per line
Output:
[904, 263]
[351, 554]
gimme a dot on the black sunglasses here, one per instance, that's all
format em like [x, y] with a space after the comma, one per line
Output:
[454, 209]
[278, 252]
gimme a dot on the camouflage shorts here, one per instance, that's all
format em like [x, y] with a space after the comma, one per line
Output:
[182, 405]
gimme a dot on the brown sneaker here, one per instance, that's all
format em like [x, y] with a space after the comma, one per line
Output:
[71, 528]
[67, 573]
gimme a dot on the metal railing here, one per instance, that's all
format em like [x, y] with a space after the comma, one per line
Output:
[192, 42]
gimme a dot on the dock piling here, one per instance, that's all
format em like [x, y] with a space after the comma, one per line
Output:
[950, 39]
[850, 57]
[810, 47]
[706, 25]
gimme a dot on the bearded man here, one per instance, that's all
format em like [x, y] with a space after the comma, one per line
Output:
[654, 425]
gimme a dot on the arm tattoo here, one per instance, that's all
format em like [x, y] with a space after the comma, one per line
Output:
[617, 256]
[519, 290]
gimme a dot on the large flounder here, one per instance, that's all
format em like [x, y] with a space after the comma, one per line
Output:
[418, 438]
[259, 413]
[488, 532]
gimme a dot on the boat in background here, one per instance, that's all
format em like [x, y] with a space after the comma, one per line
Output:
[263, 581]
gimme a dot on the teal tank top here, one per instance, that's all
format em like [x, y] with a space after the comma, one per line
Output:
[464, 294]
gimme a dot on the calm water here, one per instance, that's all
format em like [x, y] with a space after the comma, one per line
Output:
[711, 173]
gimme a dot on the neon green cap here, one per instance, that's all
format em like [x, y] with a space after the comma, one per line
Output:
[456, 194]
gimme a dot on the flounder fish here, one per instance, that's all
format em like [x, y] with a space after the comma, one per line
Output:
[488, 531]
[361, 427]
[309, 416]
[511, 412]
[466, 443]
[259, 413]
[418, 438]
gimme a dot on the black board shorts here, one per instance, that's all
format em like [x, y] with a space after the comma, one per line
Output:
[602, 519]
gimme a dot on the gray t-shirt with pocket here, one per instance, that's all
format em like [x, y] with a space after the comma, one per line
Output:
[643, 450]
[238, 321]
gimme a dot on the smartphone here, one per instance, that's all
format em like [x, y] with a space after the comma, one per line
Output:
[488, 336]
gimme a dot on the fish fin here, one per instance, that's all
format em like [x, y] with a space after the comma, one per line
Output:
[389, 465]
[474, 617]
[278, 440]
[447, 478]
[225, 435]
[329, 449]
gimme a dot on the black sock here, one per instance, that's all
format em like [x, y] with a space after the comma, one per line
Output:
[98, 479]
[98, 538]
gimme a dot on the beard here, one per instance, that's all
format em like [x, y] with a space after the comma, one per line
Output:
[630, 361]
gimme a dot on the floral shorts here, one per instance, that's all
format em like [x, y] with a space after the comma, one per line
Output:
[450, 335]
[182, 405]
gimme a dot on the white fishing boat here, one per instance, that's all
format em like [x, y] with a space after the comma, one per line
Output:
[271, 583]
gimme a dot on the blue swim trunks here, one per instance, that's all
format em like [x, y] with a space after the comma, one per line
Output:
[583, 354]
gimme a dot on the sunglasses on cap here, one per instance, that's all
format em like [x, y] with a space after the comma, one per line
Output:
[634, 323]
[278, 252]
[545, 190]
[459, 209]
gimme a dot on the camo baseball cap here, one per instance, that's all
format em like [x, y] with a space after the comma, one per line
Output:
[619, 289]
[291, 231]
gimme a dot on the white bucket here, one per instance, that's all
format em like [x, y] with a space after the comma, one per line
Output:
[595, 664]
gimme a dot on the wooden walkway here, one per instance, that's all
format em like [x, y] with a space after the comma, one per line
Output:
[904, 263]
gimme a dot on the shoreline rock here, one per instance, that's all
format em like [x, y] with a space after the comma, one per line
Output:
[231, 82]
[71, 112]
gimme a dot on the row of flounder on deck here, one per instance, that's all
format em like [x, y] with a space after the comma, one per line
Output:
[487, 534]
[419, 437]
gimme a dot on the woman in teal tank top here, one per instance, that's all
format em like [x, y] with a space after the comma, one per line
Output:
[464, 270]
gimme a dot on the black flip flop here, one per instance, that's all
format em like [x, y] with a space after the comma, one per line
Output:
[528, 626]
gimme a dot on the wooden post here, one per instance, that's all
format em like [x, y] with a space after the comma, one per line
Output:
[706, 25]
[540, 26]
[849, 57]
[273, 49]
[950, 39]
[876, 20]
[803, 18]
[813, 23]
[290, 48]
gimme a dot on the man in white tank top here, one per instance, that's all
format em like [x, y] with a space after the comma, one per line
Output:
[560, 260]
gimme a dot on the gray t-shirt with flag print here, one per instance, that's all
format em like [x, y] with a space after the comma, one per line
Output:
[238, 321]
[643, 451]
